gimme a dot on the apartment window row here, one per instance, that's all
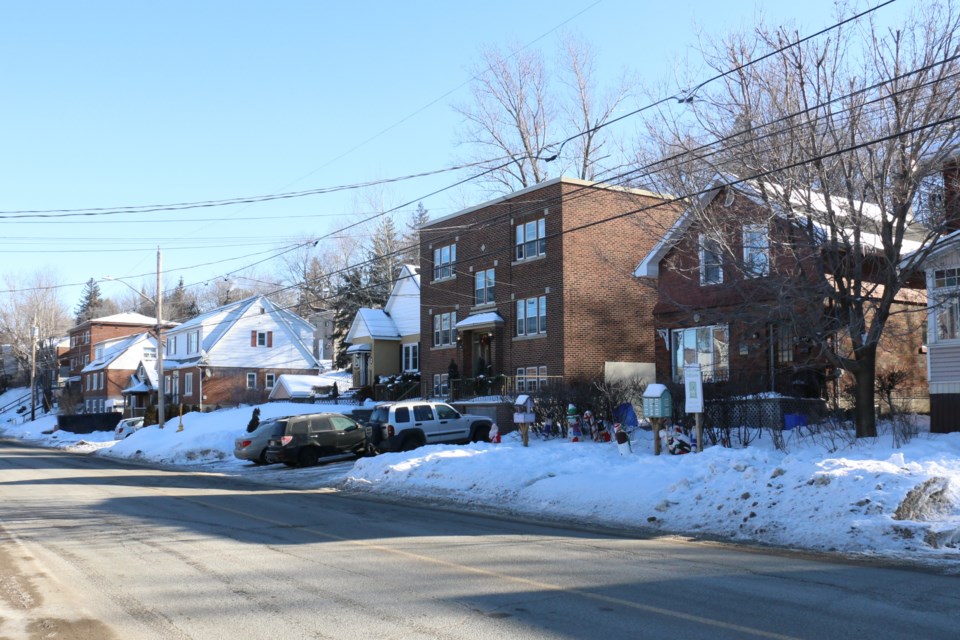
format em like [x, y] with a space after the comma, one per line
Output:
[531, 239]
[80, 338]
[445, 329]
[95, 405]
[530, 379]
[95, 381]
[532, 316]
[707, 346]
[444, 262]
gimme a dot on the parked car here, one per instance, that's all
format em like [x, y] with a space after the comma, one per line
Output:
[127, 426]
[402, 426]
[253, 446]
[305, 439]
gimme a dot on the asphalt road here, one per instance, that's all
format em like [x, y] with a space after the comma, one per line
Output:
[98, 550]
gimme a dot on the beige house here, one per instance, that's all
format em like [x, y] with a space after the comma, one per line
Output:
[386, 342]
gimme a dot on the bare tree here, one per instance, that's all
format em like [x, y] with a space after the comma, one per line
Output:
[31, 302]
[835, 138]
[509, 117]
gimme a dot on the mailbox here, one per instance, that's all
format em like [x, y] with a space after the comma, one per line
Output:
[657, 402]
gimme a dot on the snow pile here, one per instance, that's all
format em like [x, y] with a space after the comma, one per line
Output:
[868, 498]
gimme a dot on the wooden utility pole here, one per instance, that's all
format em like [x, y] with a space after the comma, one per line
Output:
[33, 370]
[162, 393]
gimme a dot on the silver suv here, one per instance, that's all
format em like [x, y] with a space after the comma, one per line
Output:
[403, 426]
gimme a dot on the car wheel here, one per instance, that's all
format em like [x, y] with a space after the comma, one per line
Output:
[308, 457]
[369, 451]
[481, 433]
[410, 443]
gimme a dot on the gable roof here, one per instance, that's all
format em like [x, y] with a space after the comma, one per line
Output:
[125, 318]
[650, 265]
[116, 348]
[217, 323]
[373, 323]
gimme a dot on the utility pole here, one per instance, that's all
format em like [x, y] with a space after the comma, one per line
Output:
[34, 331]
[162, 393]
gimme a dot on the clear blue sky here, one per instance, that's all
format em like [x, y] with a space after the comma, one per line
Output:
[134, 103]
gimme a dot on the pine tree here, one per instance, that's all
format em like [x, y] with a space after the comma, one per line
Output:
[91, 302]
[352, 294]
[181, 305]
[384, 261]
[411, 239]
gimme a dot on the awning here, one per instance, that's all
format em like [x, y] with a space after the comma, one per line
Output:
[485, 320]
[362, 347]
[140, 387]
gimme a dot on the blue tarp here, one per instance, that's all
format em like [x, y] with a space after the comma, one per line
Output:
[626, 416]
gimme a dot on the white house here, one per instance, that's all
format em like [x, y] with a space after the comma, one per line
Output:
[235, 353]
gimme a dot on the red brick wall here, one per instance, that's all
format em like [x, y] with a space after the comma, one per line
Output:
[596, 310]
[98, 333]
[227, 386]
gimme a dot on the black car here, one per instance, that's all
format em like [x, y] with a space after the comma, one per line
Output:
[308, 438]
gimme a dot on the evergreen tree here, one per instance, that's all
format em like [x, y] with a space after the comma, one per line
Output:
[352, 294]
[384, 261]
[181, 305]
[91, 302]
[411, 239]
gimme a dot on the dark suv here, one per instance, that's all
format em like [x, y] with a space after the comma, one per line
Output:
[307, 438]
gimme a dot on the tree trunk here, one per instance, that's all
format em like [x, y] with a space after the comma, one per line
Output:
[866, 417]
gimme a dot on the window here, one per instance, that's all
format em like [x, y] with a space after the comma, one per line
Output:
[711, 261]
[86, 337]
[188, 384]
[86, 359]
[176, 387]
[706, 346]
[530, 379]
[531, 239]
[166, 385]
[483, 291]
[270, 380]
[422, 412]
[171, 345]
[411, 357]
[784, 346]
[100, 380]
[444, 329]
[149, 353]
[193, 341]
[402, 414]
[756, 251]
[342, 423]
[97, 353]
[444, 262]
[446, 412]
[441, 384]
[261, 339]
[251, 381]
[945, 282]
[532, 316]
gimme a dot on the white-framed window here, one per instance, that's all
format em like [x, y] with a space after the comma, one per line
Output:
[86, 359]
[188, 384]
[444, 262]
[483, 287]
[756, 251]
[946, 294]
[530, 379]
[445, 329]
[166, 385]
[86, 337]
[149, 353]
[532, 316]
[711, 261]
[251, 381]
[531, 239]
[171, 345]
[707, 346]
[270, 380]
[261, 338]
[101, 381]
[97, 352]
[411, 356]
[193, 341]
[89, 382]
[176, 387]
[441, 384]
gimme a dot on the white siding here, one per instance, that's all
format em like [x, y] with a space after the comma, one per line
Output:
[404, 306]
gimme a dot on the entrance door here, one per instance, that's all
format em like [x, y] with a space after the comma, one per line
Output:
[482, 354]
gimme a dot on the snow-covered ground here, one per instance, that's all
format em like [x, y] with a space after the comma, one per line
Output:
[866, 497]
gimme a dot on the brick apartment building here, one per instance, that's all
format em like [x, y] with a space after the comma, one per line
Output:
[86, 336]
[538, 285]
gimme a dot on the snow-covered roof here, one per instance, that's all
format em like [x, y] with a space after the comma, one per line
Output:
[800, 203]
[113, 349]
[480, 320]
[359, 347]
[373, 323]
[128, 318]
